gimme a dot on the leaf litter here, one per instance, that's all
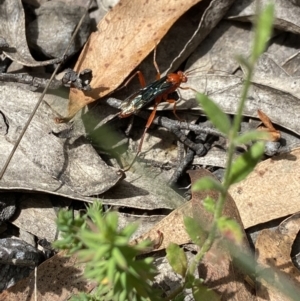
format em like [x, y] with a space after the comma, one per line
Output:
[266, 92]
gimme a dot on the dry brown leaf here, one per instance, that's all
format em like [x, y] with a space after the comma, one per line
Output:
[270, 191]
[124, 38]
[217, 267]
[58, 279]
[273, 250]
[171, 227]
[268, 126]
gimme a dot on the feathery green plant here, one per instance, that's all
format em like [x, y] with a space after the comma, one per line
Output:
[109, 258]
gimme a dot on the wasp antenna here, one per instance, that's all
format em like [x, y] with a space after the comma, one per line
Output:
[188, 72]
[212, 71]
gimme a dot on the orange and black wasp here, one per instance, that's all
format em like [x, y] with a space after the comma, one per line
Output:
[152, 94]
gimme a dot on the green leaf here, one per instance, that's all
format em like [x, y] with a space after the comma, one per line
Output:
[177, 259]
[119, 258]
[207, 183]
[263, 30]
[209, 204]
[111, 220]
[123, 296]
[219, 119]
[179, 297]
[111, 271]
[124, 281]
[230, 229]
[203, 293]
[190, 279]
[194, 230]
[251, 136]
[245, 163]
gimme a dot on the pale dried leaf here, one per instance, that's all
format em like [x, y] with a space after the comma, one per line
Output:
[273, 250]
[12, 28]
[58, 279]
[201, 214]
[177, 234]
[270, 191]
[172, 227]
[144, 222]
[214, 157]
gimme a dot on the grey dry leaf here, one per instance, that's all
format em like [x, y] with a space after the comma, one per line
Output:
[71, 161]
[212, 15]
[285, 52]
[144, 222]
[145, 190]
[63, 18]
[286, 14]
[58, 278]
[37, 216]
[274, 93]
[214, 157]
[271, 99]
[12, 28]
[216, 54]
[273, 249]
[276, 192]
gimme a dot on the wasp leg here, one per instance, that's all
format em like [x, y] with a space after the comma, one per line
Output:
[173, 102]
[140, 77]
[148, 124]
[158, 75]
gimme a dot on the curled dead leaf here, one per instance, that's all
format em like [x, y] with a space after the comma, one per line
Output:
[268, 126]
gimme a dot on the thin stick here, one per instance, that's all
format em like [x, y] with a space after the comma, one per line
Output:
[35, 283]
[42, 96]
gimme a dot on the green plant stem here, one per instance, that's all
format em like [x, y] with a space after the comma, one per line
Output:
[222, 196]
